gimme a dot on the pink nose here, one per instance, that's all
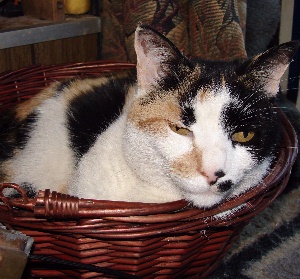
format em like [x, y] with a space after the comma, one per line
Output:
[212, 177]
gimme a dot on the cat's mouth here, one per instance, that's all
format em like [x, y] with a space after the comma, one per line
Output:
[199, 186]
[224, 186]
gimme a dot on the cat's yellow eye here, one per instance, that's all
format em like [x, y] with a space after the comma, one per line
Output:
[180, 130]
[243, 137]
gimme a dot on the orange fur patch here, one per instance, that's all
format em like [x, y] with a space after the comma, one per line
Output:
[6, 171]
[27, 107]
[76, 88]
[203, 95]
[155, 116]
[189, 164]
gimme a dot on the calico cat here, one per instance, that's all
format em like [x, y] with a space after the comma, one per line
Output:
[177, 128]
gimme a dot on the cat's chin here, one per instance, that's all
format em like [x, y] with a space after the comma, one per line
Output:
[205, 199]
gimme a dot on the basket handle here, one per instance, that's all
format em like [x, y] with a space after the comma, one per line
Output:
[15, 186]
[54, 205]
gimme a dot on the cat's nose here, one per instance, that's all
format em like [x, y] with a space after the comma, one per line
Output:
[213, 177]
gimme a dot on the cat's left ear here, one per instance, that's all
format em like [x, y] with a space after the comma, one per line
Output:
[155, 56]
[266, 69]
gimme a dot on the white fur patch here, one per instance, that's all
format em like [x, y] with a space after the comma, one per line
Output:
[47, 158]
[209, 135]
[104, 171]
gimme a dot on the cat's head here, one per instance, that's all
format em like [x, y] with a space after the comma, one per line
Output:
[208, 129]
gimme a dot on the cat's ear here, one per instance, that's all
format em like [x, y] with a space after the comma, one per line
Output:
[155, 56]
[266, 69]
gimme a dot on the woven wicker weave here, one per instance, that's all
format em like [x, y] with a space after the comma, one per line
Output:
[171, 240]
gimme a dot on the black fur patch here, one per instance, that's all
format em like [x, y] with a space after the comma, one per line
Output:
[225, 186]
[92, 112]
[30, 191]
[253, 111]
[187, 115]
[210, 77]
[14, 133]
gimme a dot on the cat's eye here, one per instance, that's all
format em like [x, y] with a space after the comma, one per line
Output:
[243, 137]
[180, 130]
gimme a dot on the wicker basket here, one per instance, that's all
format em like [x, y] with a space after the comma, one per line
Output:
[171, 240]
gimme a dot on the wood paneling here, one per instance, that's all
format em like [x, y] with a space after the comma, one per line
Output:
[76, 49]
[15, 58]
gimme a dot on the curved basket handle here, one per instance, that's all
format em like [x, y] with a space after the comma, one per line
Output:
[15, 186]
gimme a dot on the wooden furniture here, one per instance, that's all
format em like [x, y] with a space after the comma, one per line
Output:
[27, 41]
[45, 9]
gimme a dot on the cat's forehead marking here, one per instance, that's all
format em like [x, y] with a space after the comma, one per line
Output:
[203, 94]
[207, 128]
[153, 111]
[216, 85]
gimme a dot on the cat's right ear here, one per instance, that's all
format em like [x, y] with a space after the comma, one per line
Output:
[156, 55]
[266, 69]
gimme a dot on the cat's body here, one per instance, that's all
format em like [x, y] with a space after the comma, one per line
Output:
[182, 129]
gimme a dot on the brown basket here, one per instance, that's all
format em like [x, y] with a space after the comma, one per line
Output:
[170, 240]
